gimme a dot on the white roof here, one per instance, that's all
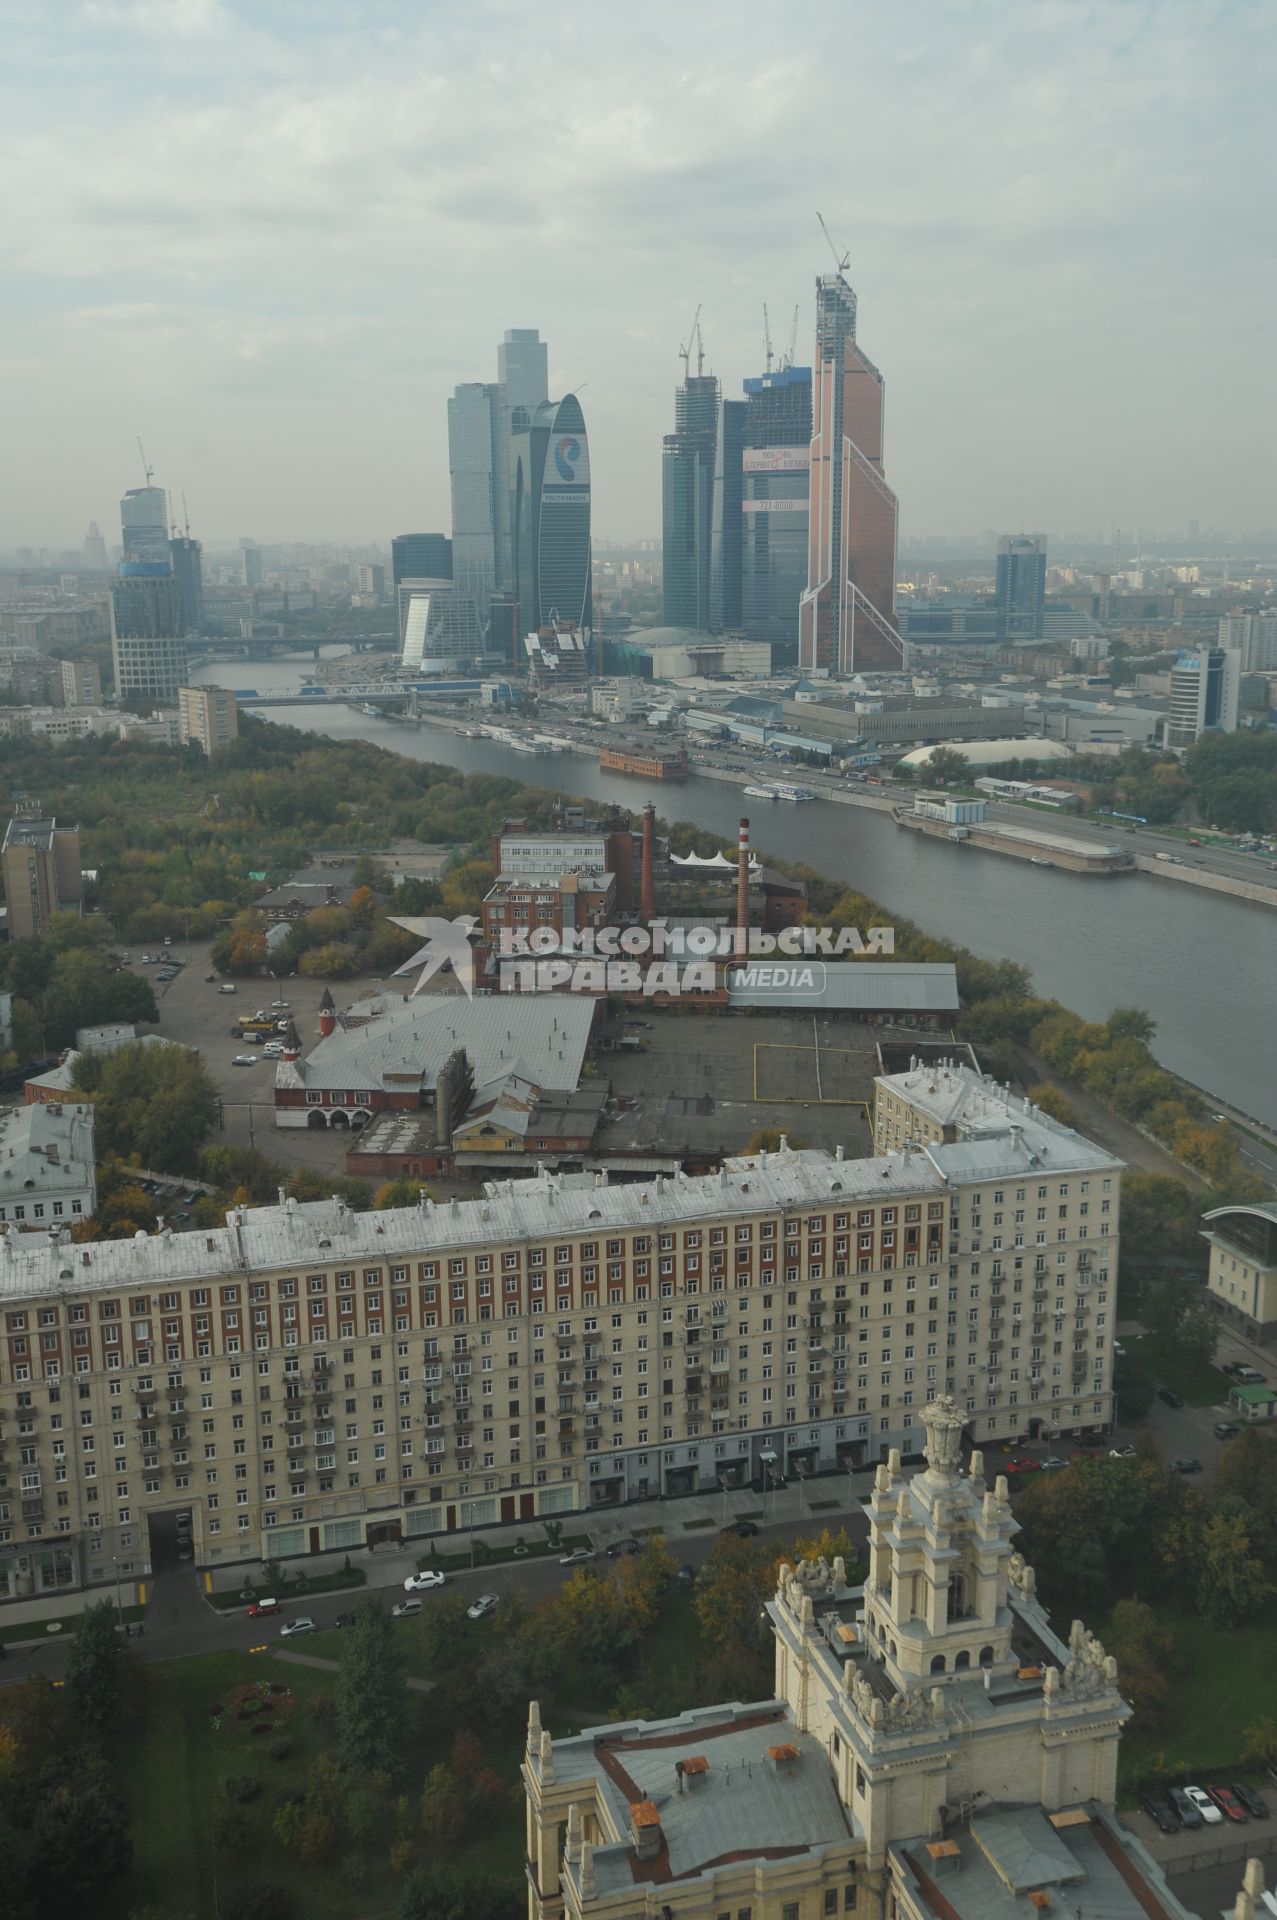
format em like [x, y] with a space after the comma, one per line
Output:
[542, 1035]
[996, 1128]
[991, 753]
[45, 1148]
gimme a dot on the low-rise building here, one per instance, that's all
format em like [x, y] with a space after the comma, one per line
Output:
[46, 1165]
[1242, 1280]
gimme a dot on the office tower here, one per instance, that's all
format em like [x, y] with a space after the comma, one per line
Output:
[523, 385]
[688, 457]
[471, 449]
[417, 560]
[550, 517]
[207, 717]
[186, 557]
[1254, 637]
[147, 644]
[438, 623]
[93, 550]
[1205, 690]
[251, 562]
[372, 579]
[776, 463]
[41, 863]
[1021, 587]
[726, 533]
[144, 526]
[76, 683]
[847, 615]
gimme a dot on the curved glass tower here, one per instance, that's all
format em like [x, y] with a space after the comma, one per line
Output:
[550, 515]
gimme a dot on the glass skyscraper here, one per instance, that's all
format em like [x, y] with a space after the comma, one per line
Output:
[144, 526]
[688, 462]
[1021, 587]
[523, 385]
[549, 513]
[186, 556]
[471, 452]
[776, 462]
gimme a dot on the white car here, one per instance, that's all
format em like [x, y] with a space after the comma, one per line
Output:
[1122, 1453]
[424, 1582]
[273, 1050]
[1205, 1805]
[577, 1557]
[480, 1609]
[302, 1624]
[245, 1060]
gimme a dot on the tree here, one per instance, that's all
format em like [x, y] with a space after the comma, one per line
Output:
[1134, 1385]
[1247, 1471]
[443, 1809]
[593, 1626]
[644, 1580]
[946, 765]
[1181, 1322]
[401, 1192]
[95, 1677]
[158, 1103]
[1231, 1583]
[79, 1836]
[444, 1893]
[1144, 1648]
[1054, 1103]
[768, 1139]
[369, 1692]
[1131, 1023]
[259, 1900]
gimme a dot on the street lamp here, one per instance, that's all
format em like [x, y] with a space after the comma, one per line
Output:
[119, 1610]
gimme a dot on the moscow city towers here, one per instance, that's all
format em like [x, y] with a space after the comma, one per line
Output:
[847, 615]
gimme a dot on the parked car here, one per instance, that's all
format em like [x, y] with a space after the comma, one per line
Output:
[185, 1550]
[148, 959]
[1159, 1812]
[1122, 1453]
[1254, 1803]
[1231, 1366]
[405, 1609]
[745, 1529]
[480, 1609]
[1205, 1806]
[281, 1006]
[1169, 1397]
[1226, 1430]
[1184, 1463]
[424, 1582]
[686, 1575]
[344, 1620]
[273, 1050]
[1023, 1463]
[619, 1547]
[302, 1624]
[1250, 1376]
[260, 1608]
[245, 1060]
[577, 1557]
[1228, 1803]
[1053, 1463]
[227, 986]
[282, 1026]
[1187, 1810]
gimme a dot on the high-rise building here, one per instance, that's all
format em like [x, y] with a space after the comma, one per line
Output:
[207, 717]
[93, 551]
[251, 563]
[688, 457]
[726, 528]
[41, 863]
[1205, 694]
[439, 623]
[148, 645]
[847, 615]
[523, 385]
[76, 683]
[1021, 587]
[420, 556]
[776, 463]
[1254, 637]
[471, 450]
[144, 526]
[186, 556]
[550, 517]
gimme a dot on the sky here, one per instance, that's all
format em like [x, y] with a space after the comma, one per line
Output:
[269, 237]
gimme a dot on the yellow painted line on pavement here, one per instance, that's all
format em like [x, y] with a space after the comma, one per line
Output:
[208, 1583]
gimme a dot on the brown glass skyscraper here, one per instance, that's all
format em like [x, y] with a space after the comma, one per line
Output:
[847, 616]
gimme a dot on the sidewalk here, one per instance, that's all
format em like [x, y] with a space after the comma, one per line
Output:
[56, 1606]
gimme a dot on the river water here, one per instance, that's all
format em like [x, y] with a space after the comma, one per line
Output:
[1203, 965]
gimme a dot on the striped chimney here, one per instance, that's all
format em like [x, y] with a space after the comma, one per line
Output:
[742, 890]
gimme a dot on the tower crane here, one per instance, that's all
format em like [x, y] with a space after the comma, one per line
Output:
[148, 471]
[685, 351]
[793, 343]
[767, 337]
[843, 263]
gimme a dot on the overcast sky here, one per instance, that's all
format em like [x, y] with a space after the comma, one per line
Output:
[269, 236]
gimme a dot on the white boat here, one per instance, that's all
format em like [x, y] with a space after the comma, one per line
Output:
[794, 793]
[760, 793]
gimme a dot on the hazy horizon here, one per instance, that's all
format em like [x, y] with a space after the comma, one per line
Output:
[270, 243]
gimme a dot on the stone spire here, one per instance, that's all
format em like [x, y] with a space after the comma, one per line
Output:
[944, 1422]
[534, 1728]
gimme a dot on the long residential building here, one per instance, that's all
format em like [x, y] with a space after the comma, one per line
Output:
[309, 1378]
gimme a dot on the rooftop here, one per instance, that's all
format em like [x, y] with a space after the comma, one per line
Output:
[990, 1122]
[45, 1148]
[405, 1042]
[846, 986]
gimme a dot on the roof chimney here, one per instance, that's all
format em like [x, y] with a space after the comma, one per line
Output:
[645, 1829]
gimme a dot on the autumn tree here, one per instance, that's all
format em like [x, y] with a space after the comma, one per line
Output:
[644, 1580]
[443, 1809]
[369, 1691]
[1231, 1582]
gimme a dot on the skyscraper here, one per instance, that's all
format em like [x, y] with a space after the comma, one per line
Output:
[147, 645]
[1205, 694]
[688, 458]
[417, 560]
[776, 463]
[847, 616]
[186, 556]
[1021, 587]
[251, 562]
[94, 549]
[471, 451]
[523, 385]
[549, 515]
[144, 525]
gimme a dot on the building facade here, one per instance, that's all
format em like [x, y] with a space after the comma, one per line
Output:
[847, 615]
[550, 517]
[148, 645]
[687, 503]
[471, 451]
[1242, 1280]
[1254, 637]
[77, 683]
[144, 529]
[523, 385]
[932, 1750]
[439, 624]
[776, 472]
[41, 862]
[1020, 587]
[1205, 694]
[207, 717]
[186, 557]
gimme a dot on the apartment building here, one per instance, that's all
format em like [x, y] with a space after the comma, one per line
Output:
[207, 717]
[41, 865]
[932, 1750]
[309, 1378]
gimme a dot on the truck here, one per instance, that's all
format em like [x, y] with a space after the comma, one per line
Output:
[255, 1023]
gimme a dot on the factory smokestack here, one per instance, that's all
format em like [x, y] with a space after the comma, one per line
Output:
[742, 891]
[647, 898]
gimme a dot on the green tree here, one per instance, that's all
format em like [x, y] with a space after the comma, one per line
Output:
[158, 1103]
[1247, 1471]
[1231, 1583]
[1181, 1322]
[95, 1675]
[1054, 1103]
[443, 1810]
[1134, 1385]
[369, 1691]
[79, 1835]
[768, 1139]
[1131, 1023]
[401, 1192]
[947, 765]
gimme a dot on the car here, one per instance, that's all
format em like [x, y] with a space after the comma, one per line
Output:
[260, 1608]
[620, 1547]
[405, 1609]
[744, 1529]
[1229, 1805]
[273, 1050]
[1160, 1812]
[245, 1060]
[185, 1551]
[1053, 1463]
[227, 986]
[1226, 1430]
[1169, 1397]
[1205, 1806]
[302, 1624]
[1184, 1463]
[1251, 1376]
[1254, 1803]
[1187, 1810]
[686, 1575]
[189, 1198]
[577, 1557]
[485, 1604]
[1023, 1463]
[148, 959]
[1230, 1366]
[282, 1026]
[424, 1582]
[280, 1006]
[1122, 1453]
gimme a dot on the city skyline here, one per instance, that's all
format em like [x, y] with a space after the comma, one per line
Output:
[1041, 219]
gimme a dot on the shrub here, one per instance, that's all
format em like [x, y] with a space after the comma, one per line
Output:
[262, 1726]
[280, 1749]
[241, 1787]
[288, 1797]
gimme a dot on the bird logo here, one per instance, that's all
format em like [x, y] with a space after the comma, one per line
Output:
[447, 943]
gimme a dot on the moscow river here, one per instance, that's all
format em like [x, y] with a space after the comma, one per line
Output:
[1204, 965]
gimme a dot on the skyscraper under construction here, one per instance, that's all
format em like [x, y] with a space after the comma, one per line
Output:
[847, 615]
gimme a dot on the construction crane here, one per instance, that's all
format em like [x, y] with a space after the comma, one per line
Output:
[685, 351]
[148, 471]
[767, 337]
[845, 261]
[793, 343]
[186, 518]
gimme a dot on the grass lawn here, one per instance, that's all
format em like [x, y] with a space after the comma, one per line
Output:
[1200, 1386]
[1225, 1681]
[172, 1768]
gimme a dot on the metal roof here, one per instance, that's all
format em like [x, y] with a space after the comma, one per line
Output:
[542, 1035]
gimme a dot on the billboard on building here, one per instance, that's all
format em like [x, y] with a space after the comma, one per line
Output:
[774, 506]
[776, 459]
